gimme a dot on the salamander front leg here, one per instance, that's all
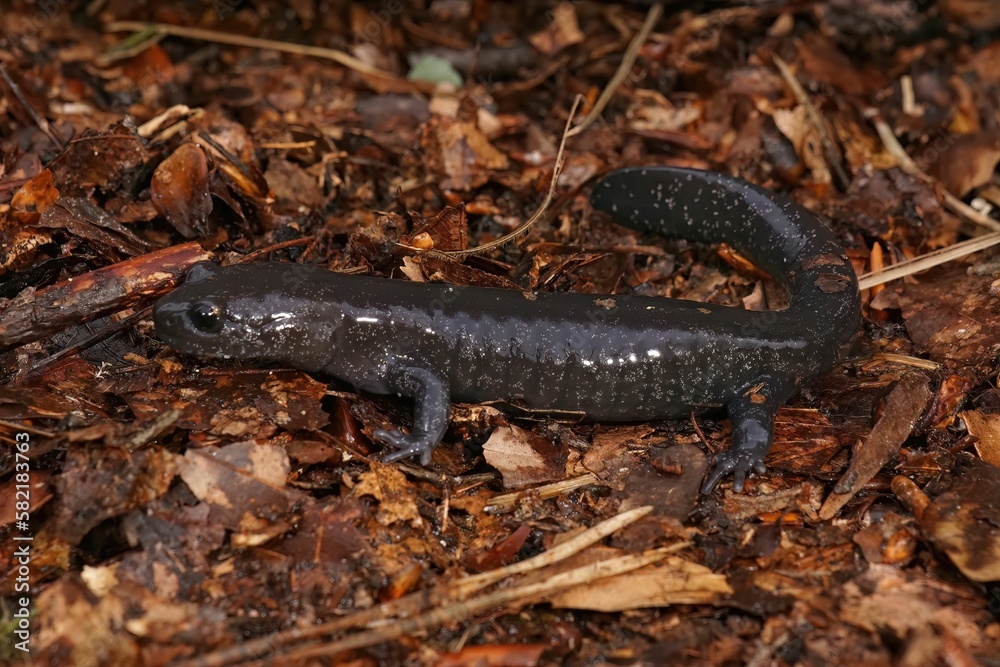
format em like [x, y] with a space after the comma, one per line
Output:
[430, 414]
[752, 415]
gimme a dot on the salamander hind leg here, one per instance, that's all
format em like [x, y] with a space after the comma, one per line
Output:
[752, 414]
[430, 414]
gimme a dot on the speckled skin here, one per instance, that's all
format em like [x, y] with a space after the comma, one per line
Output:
[614, 358]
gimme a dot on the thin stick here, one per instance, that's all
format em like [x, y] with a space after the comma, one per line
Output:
[203, 35]
[27, 429]
[40, 121]
[303, 240]
[558, 553]
[504, 502]
[415, 603]
[830, 150]
[628, 60]
[906, 360]
[907, 164]
[549, 196]
[929, 260]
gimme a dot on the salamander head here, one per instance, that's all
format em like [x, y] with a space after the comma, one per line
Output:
[263, 312]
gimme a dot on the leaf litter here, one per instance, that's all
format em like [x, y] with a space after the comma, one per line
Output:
[193, 513]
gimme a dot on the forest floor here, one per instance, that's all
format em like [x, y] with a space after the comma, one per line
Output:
[163, 509]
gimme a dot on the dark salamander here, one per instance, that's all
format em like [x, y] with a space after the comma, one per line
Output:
[614, 358]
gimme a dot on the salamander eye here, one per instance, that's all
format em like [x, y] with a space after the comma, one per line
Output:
[206, 317]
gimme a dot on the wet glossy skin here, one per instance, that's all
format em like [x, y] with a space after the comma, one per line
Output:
[614, 358]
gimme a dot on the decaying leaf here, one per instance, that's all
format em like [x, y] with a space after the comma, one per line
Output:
[523, 458]
[395, 497]
[965, 521]
[903, 408]
[240, 482]
[180, 190]
[674, 581]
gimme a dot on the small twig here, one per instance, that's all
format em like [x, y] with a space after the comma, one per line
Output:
[504, 597]
[549, 196]
[151, 431]
[628, 60]
[560, 552]
[414, 604]
[906, 360]
[90, 341]
[700, 433]
[291, 243]
[505, 502]
[929, 260]
[829, 149]
[907, 164]
[40, 121]
[131, 46]
[27, 429]
[215, 36]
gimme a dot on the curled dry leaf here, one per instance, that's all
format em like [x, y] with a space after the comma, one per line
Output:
[460, 151]
[32, 199]
[445, 231]
[965, 521]
[563, 31]
[523, 458]
[967, 163]
[180, 190]
[986, 429]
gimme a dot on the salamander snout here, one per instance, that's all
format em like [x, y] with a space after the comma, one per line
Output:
[190, 326]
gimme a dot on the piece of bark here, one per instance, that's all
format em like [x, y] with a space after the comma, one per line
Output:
[36, 314]
[905, 404]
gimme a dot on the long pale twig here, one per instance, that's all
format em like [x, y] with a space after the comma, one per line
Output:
[628, 59]
[463, 610]
[560, 552]
[201, 34]
[907, 360]
[530, 222]
[929, 260]
[907, 164]
[416, 604]
[506, 501]
[829, 148]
